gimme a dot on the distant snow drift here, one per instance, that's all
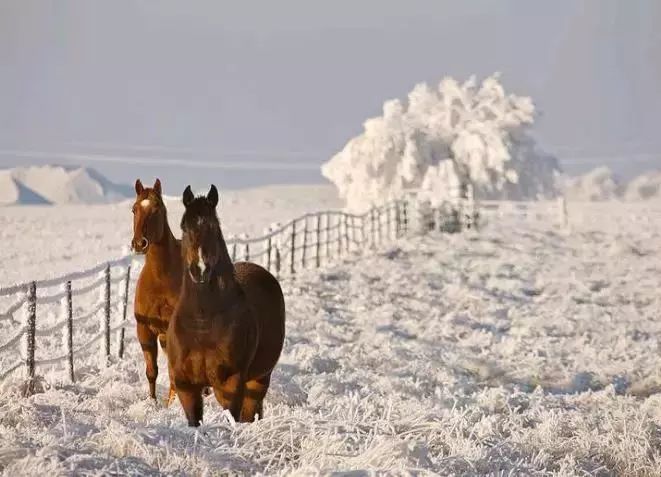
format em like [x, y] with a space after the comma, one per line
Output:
[58, 185]
[440, 139]
[601, 184]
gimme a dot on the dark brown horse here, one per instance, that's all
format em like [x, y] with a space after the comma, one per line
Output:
[159, 284]
[229, 325]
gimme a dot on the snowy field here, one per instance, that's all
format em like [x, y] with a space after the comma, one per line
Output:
[520, 349]
[44, 241]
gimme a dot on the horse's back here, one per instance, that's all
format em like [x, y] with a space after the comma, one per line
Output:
[265, 295]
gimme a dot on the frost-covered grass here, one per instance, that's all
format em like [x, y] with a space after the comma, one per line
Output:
[520, 349]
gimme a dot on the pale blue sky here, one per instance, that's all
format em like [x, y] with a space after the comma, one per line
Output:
[289, 82]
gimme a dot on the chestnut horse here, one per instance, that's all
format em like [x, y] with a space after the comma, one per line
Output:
[228, 328]
[159, 284]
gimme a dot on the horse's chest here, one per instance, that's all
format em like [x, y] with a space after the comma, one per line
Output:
[201, 366]
[200, 324]
[207, 334]
[193, 366]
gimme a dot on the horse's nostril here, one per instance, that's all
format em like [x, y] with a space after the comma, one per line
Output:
[144, 243]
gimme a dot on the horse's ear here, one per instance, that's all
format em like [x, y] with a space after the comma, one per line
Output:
[188, 196]
[212, 196]
[139, 188]
[157, 187]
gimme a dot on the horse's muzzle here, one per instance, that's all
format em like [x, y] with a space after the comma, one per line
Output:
[198, 276]
[140, 246]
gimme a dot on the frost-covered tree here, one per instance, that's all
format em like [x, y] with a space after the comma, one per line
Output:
[442, 139]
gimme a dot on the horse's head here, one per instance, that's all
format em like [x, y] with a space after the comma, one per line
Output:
[201, 240]
[149, 216]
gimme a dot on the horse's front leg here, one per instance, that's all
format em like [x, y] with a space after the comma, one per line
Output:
[230, 391]
[147, 341]
[171, 392]
[190, 397]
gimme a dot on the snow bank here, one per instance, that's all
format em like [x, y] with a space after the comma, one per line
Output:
[13, 192]
[442, 138]
[58, 185]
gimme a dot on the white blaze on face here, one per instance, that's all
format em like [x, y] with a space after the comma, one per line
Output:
[200, 261]
[145, 203]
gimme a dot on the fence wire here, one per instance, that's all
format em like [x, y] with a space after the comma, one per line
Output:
[311, 240]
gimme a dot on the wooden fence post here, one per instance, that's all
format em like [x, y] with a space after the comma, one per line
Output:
[106, 315]
[234, 252]
[305, 241]
[292, 261]
[398, 224]
[269, 247]
[277, 262]
[379, 225]
[339, 234]
[125, 306]
[246, 250]
[318, 240]
[347, 245]
[31, 328]
[328, 237]
[363, 226]
[564, 216]
[69, 337]
[373, 220]
[405, 216]
[388, 209]
[470, 206]
[353, 231]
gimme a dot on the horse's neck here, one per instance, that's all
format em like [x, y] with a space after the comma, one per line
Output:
[225, 271]
[217, 295]
[224, 275]
[163, 257]
[225, 284]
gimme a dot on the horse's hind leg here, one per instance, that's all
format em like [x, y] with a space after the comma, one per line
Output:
[147, 341]
[190, 397]
[254, 398]
[229, 394]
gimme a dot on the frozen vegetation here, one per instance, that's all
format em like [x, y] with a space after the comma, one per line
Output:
[441, 138]
[522, 348]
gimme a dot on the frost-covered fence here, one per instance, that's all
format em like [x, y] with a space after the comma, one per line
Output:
[456, 210]
[546, 211]
[61, 314]
[53, 324]
[317, 238]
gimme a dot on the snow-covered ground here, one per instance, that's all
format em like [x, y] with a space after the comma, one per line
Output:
[520, 348]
